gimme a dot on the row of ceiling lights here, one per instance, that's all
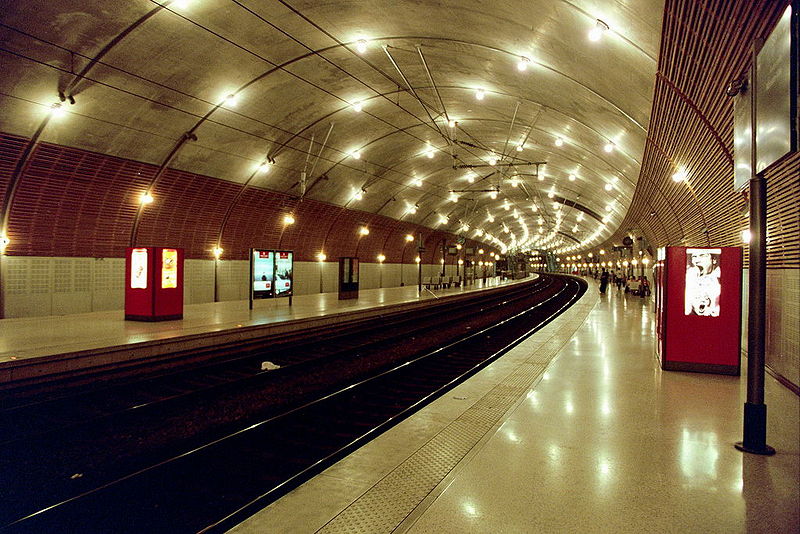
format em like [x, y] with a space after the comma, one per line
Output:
[595, 34]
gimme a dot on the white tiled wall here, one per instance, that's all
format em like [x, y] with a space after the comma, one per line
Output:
[36, 286]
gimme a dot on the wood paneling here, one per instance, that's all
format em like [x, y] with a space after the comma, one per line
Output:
[704, 45]
[72, 202]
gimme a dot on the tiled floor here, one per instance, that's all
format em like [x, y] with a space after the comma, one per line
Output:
[575, 430]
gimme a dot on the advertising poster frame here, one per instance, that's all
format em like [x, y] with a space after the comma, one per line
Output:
[700, 340]
[262, 273]
[287, 274]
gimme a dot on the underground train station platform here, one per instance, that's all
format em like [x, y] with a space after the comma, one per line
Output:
[576, 429]
[31, 348]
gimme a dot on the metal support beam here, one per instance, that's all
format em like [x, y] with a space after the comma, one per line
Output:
[521, 164]
[755, 411]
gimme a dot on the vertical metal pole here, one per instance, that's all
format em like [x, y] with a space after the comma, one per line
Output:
[2, 284]
[250, 278]
[419, 265]
[755, 411]
[216, 279]
[419, 275]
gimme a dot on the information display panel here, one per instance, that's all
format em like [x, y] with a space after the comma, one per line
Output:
[263, 273]
[284, 265]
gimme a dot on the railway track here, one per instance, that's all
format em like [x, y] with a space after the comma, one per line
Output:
[270, 431]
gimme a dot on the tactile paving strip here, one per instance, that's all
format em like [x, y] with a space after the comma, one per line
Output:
[384, 506]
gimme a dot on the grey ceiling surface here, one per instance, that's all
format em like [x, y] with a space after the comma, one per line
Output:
[165, 68]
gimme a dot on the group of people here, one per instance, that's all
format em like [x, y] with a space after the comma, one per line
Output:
[636, 285]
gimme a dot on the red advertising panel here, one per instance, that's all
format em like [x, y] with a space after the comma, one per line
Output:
[700, 309]
[153, 284]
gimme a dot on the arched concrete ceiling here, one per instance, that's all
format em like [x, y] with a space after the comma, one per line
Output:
[144, 73]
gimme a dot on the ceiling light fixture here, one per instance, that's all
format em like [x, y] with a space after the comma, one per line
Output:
[361, 46]
[609, 147]
[57, 110]
[288, 219]
[358, 106]
[356, 154]
[146, 198]
[608, 187]
[596, 33]
[480, 94]
[559, 141]
[571, 177]
[680, 176]
[522, 64]
[231, 100]
[409, 237]
[363, 230]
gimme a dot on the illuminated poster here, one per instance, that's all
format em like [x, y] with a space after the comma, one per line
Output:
[703, 283]
[169, 268]
[263, 273]
[283, 273]
[139, 268]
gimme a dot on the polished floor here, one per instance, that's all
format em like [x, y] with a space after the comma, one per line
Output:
[577, 429]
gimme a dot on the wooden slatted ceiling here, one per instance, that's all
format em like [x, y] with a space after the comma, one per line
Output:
[11, 148]
[72, 202]
[704, 45]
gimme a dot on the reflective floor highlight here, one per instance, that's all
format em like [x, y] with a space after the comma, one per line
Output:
[599, 439]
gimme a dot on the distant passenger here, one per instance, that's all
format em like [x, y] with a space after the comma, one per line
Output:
[603, 281]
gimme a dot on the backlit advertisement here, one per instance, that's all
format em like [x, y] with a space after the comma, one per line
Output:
[263, 273]
[283, 273]
[139, 268]
[703, 282]
[169, 268]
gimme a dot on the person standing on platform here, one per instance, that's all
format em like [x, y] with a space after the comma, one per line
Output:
[603, 282]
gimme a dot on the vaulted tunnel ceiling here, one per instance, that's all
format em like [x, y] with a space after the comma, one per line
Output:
[150, 82]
